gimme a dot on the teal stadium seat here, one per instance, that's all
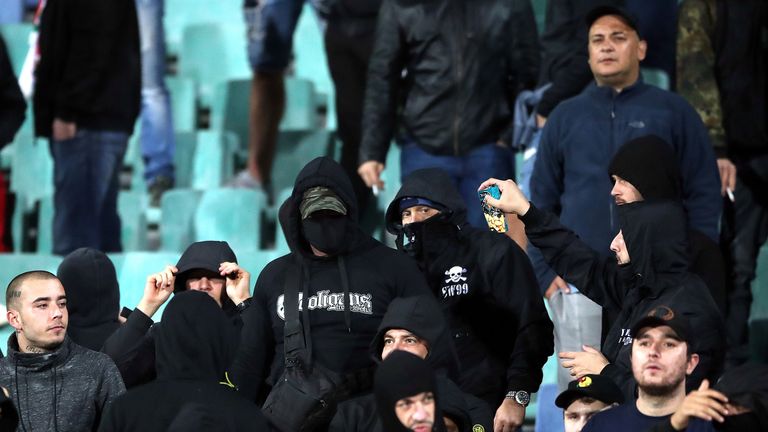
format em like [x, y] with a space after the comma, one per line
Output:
[183, 105]
[132, 207]
[181, 13]
[202, 43]
[16, 37]
[231, 215]
[657, 77]
[177, 228]
[204, 159]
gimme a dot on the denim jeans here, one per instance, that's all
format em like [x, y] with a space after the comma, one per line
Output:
[467, 172]
[85, 175]
[157, 140]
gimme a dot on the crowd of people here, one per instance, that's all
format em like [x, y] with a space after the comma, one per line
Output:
[639, 223]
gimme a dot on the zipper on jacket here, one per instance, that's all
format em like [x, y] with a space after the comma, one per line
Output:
[614, 95]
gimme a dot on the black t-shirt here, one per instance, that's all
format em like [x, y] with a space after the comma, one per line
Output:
[624, 418]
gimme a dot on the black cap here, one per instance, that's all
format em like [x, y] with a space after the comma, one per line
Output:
[590, 386]
[665, 316]
[601, 11]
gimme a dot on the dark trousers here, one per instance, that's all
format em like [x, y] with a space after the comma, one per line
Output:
[86, 170]
[749, 229]
[348, 63]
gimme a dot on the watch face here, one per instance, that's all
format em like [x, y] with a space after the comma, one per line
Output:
[522, 397]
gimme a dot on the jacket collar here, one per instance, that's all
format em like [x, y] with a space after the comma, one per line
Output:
[56, 357]
[609, 92]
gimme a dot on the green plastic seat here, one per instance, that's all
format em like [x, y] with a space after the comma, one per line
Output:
[294, 150]
[132, 269]
[201, 43]
[204, 159]
[181, 13]
[310, 61]
[255, 261]
[16, 38]
[132, 207]
[178, 207]
[183, 105]
[231, 215]
[45, 226]
[656, 77]
[186, 143]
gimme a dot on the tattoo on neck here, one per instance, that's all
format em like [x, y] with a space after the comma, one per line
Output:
[34, 350]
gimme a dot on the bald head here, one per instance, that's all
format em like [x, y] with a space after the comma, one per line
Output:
[13, 292]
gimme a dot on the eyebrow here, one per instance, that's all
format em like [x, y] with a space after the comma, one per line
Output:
[39, 299]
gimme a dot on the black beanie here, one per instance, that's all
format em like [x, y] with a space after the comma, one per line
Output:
[401, 375]
[650, 164]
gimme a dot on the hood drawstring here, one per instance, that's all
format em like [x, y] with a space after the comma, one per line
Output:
[345, 287]
[55, 402]
[18, 398]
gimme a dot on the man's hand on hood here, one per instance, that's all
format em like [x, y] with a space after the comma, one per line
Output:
[157, 290]
[238, 282]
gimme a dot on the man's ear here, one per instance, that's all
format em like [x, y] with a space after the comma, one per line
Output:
[693, 360]
[642, 49]
[14, 319]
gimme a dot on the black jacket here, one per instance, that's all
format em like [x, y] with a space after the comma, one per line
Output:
[195, 345]
[424, 318]
[12, 105]
[90, 70]
[464, 61]
[375, 274]
[132, 345]
[656, 275]
[93, 296]
[487, 287]
[564, 48]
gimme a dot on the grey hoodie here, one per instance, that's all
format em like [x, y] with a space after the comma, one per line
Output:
[64, 390]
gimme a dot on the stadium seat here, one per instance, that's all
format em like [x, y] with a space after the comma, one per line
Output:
[200, 44]
[177, 229]
[45, 226]
[132, 206]
[16, 38]
[181, 13]
[232, 215]
[183, 104]
[294, 150]
[132, 270]
[255, 261]
[204, 159]
[656, 77]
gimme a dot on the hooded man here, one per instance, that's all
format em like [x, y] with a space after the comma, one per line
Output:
[586, 397]
[650, 269]
[406, 394]
[417, 325]
[646, 168]
[346, 281]
[93, 296]
[55, 383]
[194, 346]
[207, 266]
[487, 288]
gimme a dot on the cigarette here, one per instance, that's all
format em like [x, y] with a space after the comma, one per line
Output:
[375, 190]
[730, 194]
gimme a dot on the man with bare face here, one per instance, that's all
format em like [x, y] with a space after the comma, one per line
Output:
[55, 383]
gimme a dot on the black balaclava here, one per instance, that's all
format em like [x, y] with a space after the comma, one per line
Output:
[326, 233]
[402, 375]
[745, 386]
[196, 340]
[650, 164]
[93, 296]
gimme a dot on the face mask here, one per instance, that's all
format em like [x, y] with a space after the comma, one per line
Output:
[741, 422]
[418, 234]
[327, 234]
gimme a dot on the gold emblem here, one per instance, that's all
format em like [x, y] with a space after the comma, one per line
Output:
[584, 381]
[478, 428]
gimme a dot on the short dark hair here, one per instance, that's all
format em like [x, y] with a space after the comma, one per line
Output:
[13, 292]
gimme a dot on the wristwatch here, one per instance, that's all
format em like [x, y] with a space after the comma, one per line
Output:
[243, 305]
[521, 396]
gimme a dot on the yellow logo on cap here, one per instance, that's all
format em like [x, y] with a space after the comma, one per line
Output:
[478, 428]
[584, 382]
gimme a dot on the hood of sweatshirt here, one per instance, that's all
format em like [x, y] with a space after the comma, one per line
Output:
[650, 164]
[204, 255]
[93, 296]
[424, 317]
[196, 341]
[402, 375]
[655, 233]
[435, 185]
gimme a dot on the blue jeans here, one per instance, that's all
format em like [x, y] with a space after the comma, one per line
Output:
[467, 172]
[85, 175]
[157, 140]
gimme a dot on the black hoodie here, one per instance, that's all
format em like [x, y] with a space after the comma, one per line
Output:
[657, 274]
[375, 275]
[404, 375]
[423, 317]
[487, 288]
[93, 296]
[194, 347]
[132, 346]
